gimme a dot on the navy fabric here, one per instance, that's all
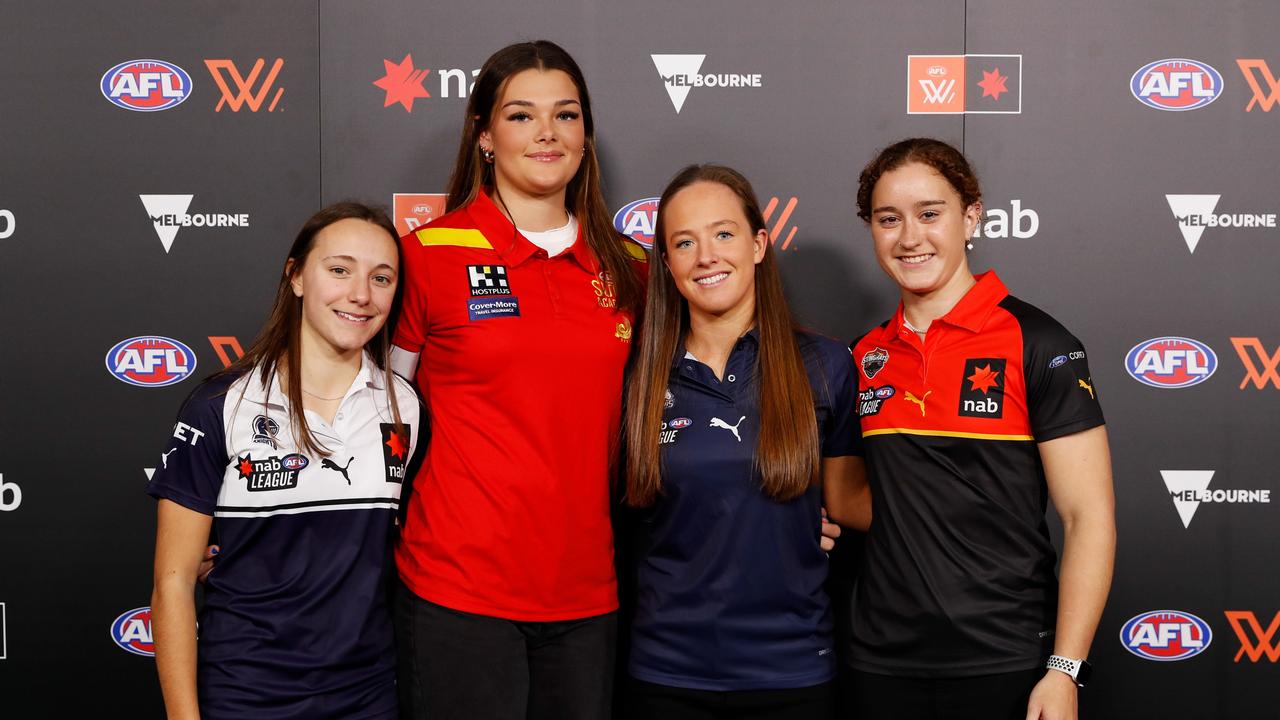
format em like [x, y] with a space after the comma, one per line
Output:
[730, 583]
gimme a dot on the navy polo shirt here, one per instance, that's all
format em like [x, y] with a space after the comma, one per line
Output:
[730, 583]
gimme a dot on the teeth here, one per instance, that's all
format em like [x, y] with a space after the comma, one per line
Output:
[353, 318]
[915, 259]
[712, 279]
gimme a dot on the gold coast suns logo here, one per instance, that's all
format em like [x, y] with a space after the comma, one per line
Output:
[606, 291]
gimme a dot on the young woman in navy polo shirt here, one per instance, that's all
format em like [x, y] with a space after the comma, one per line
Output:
[737, 424]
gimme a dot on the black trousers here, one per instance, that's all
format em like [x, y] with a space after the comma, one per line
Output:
[647, 701]
[451, 664]
[870, 696]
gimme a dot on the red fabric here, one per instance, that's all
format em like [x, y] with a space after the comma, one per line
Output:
[510, 511]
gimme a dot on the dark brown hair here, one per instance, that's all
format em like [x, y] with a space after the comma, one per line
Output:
[786, 452]
[583, 196]
[948, 161]
[279, 340]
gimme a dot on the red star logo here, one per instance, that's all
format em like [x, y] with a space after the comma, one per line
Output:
[245, 466]
[992, 83]
[403, 83]
[397, 444]
[983, 378]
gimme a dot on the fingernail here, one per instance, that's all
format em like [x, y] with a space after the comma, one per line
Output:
[215, 551]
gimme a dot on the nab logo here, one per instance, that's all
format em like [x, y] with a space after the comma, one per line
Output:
[982, 388]
[225, 71]
[1171, 362]
[1016, 222]
[1265, 370]
[1166, 635]
[964, 84]
[132, 632]
[413, 210]
[1176, 84]
[151, 361]
[402, 83]
[146, 85]
[638, 220]
[1255, 643]
[1257, 74]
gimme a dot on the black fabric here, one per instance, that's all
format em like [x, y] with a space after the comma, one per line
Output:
[1004, 696]
[647, 701]
[455, 665]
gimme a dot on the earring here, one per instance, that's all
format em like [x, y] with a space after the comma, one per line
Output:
[487, 154]
[968, 245]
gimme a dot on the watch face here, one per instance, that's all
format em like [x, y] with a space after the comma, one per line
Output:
[1084, 673]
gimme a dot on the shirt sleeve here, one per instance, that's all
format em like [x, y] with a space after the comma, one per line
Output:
[411, 325]
[840, 431]
[1061, 397]
[195, 458]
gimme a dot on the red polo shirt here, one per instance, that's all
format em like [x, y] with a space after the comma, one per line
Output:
[521, 369]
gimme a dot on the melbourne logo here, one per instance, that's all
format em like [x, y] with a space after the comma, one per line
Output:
[637, 220]
[10, 495]
[1171, 362]
[239, 91]
[413, 210]
[982, 388]
[1260, 366]
[1176, 84]
[273, 473]
[680, 75]
[1255, 643]
[169, 214]
[964, 84]
[1166, 635]
[146, 85]
[403, 82]
[874, 361]
[1189, 488]
[132, 632]
[1265, 86]
[395, 450]
[488, 280]
[1194, 213]
[151, 361]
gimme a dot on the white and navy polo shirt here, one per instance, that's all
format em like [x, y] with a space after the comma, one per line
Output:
[295, 622]
[729, 583]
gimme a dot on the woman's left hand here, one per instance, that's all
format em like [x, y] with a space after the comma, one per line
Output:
[1053, 698]
[830, 531]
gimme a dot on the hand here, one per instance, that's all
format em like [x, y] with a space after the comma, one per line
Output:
[206, 565]
[830, 531]
[1053, 698]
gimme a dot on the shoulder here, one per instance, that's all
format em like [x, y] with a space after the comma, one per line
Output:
[867, 336]
[823, 356]
[211, 393]
[1037, 326]
[453, 229]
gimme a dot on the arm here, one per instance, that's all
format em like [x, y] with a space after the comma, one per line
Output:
[181, 535]
[845, 491]
[1078, 470]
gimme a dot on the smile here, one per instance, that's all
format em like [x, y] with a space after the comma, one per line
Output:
[712, 279]
[545, 156]
[916, 259]
[353, 318]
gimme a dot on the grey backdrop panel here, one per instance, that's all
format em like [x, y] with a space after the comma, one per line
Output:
[86, 269]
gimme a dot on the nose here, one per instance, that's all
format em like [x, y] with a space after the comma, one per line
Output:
[358, 293]
[546, 129]
[912, 234]
[707, 254]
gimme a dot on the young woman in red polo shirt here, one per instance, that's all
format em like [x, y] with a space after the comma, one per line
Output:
[517, 323]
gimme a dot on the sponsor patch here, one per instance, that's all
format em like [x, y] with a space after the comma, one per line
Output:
[606, 291]
[395, 450]
[264, 431]
[874, 361]
[488, 308]
[871, 400]
[488, 280]
[1166, 635]
[273, 473]
[982, 388]
[1058, 362]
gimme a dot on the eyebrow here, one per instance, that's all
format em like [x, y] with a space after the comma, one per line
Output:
[529, 103]
[710, 225]
[922, 203]
[351, 259]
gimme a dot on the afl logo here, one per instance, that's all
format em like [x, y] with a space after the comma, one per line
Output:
[1176, 84]
[293, 462]
[132, 632]
[680, 423]
[1171, 362]
[637, 221]
[885, 392]
[1166, 635]
[146, 85]
[151, 361]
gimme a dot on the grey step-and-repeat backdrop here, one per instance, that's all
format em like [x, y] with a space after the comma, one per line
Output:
[156, 159]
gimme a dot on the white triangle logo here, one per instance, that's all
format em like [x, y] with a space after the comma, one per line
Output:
[1189, 206]
[160, 205]
[684, 67]
[1180, 481]
[149, 472]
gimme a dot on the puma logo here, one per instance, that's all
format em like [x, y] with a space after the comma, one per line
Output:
[1086, 386]
[164, 458]
[919, 401]
[331, 465]
[718, 423]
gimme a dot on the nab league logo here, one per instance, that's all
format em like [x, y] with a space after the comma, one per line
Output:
[680, 75]
[395, 450]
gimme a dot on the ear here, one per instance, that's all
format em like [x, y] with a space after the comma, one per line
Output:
[972, 216]
[486, 139]
[295, 278]
[759, 243]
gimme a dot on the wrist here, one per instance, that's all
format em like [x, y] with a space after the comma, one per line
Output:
[1075, 670]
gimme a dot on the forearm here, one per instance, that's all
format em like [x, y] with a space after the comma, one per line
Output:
[846, 494]
[173, 627]
[1088, 559]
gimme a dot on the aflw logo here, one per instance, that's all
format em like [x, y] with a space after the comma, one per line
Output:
[243, 93]
[1266, 370]
[1254, 641]
[775, 234]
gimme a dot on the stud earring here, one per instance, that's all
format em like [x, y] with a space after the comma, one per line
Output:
[487, 154]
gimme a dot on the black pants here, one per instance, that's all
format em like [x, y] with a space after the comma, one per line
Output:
[452, 664]
[870, 696]
[647, 701]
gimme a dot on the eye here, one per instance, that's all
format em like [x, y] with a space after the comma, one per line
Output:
[930, 215]
[724, 235]
[683, 243]
[518, 116]
[339, 270]
[569, 115]
[887, 220]
[384, 280]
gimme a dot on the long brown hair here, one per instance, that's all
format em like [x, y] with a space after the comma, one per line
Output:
[583, 196]
[280, 338]
[786, 451]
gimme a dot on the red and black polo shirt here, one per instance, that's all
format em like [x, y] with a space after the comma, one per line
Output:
[958, 577]
[521, 369]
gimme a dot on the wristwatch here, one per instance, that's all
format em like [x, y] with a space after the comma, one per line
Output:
[1079, 670]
